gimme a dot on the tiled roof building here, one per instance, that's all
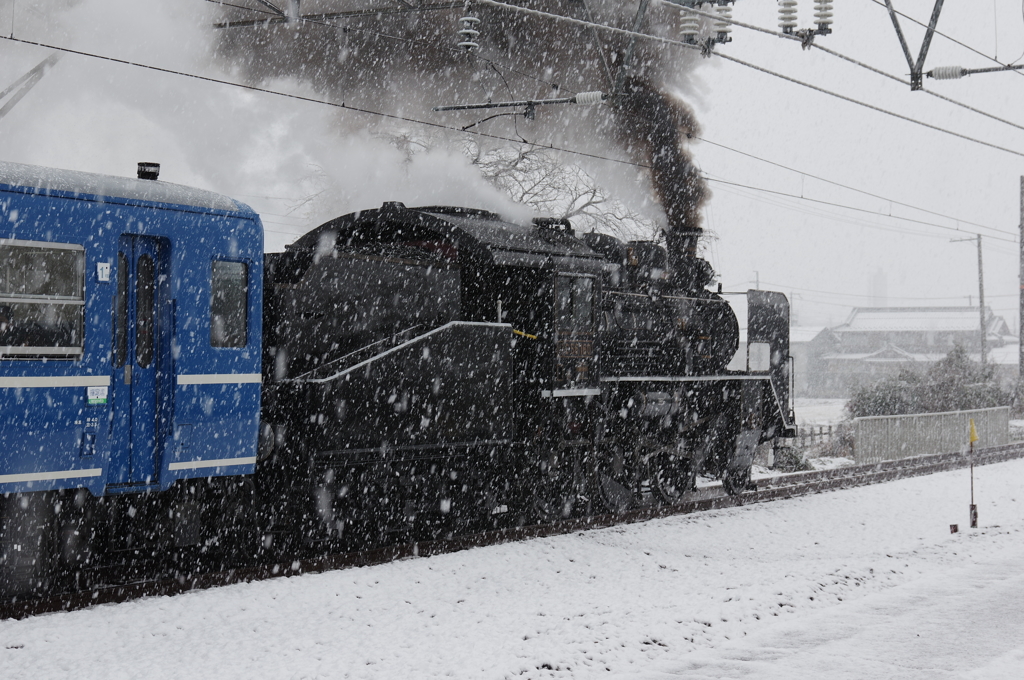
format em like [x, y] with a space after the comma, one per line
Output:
[879, 341]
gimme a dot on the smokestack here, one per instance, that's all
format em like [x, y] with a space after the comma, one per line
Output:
[659, 125]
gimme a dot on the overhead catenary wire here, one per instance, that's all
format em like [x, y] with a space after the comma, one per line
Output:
[314, 100]
[677, 43]
[867, 296]
[862, 65]
[880, 3]
[321, 20]
[455, 129]
[850, 188]
[839, 55]
[849, 207]
[816, 210]
[718, 17]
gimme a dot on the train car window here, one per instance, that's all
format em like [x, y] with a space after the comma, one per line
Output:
[229, 304]
[574, 303]
[145, 290]
[121, 312]
[42, 299]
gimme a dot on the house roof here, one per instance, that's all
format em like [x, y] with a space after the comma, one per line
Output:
[1007, 355]
[919, 319]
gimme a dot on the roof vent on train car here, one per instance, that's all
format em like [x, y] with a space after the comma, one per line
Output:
[392, 206]
[149, 170]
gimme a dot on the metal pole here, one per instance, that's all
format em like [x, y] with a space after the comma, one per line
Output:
[974, 508]
[1020, 310]
[981, 302]
[627, 60]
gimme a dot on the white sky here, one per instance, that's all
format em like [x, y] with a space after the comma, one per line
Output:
[102, 117]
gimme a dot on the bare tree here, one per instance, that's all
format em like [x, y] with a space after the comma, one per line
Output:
[527, 174]
[535, 176]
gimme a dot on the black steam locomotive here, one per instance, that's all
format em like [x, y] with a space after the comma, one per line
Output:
[439, 367]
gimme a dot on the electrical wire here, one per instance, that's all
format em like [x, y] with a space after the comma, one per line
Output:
[840, 55]
[814, 211]
[341, 105]
[849, 207]
[868, 297]
[677, 43]
[845, 186]
[454, 129]
[413, 41]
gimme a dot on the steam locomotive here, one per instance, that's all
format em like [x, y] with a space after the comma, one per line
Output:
[166, 389]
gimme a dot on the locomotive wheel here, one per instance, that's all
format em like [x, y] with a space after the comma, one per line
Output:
[555, 494]
[613, 480]
[673, 474]
[736, 482]
[345, 515]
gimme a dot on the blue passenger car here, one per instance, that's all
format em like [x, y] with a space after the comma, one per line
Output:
[130, 327]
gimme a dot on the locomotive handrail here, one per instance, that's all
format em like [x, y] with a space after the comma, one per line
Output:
[666, 297]
[682, 378]
[361, 350]
[396, 348]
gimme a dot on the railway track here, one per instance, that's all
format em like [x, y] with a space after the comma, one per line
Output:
[708, 498]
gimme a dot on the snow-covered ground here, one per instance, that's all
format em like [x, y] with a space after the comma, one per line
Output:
[863, 583]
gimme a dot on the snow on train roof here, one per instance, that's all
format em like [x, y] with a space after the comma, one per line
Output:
[108, 186]
[506, 243]
[503, 235]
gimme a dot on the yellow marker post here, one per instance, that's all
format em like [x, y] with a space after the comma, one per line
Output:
[973, 437]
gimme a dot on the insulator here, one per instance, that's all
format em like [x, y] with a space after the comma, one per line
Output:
[823, 13]
[690, 26]
[721, 24]
[468, 34]
[787, 15]
[947, 72]
[589, 98]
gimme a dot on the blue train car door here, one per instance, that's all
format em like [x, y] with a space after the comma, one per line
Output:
[141, 360]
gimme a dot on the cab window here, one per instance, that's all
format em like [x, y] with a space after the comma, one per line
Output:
[574, 304]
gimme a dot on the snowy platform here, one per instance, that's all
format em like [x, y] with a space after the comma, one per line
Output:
[860, 583]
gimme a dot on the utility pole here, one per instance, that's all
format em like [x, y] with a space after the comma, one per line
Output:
[981, 302]
[916, 67]
[981, 293]
[1020, 310]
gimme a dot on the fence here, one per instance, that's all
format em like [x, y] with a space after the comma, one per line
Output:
[879, 438]
[808, 436]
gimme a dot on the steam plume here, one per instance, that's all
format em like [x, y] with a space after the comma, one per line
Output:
[407, 62]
